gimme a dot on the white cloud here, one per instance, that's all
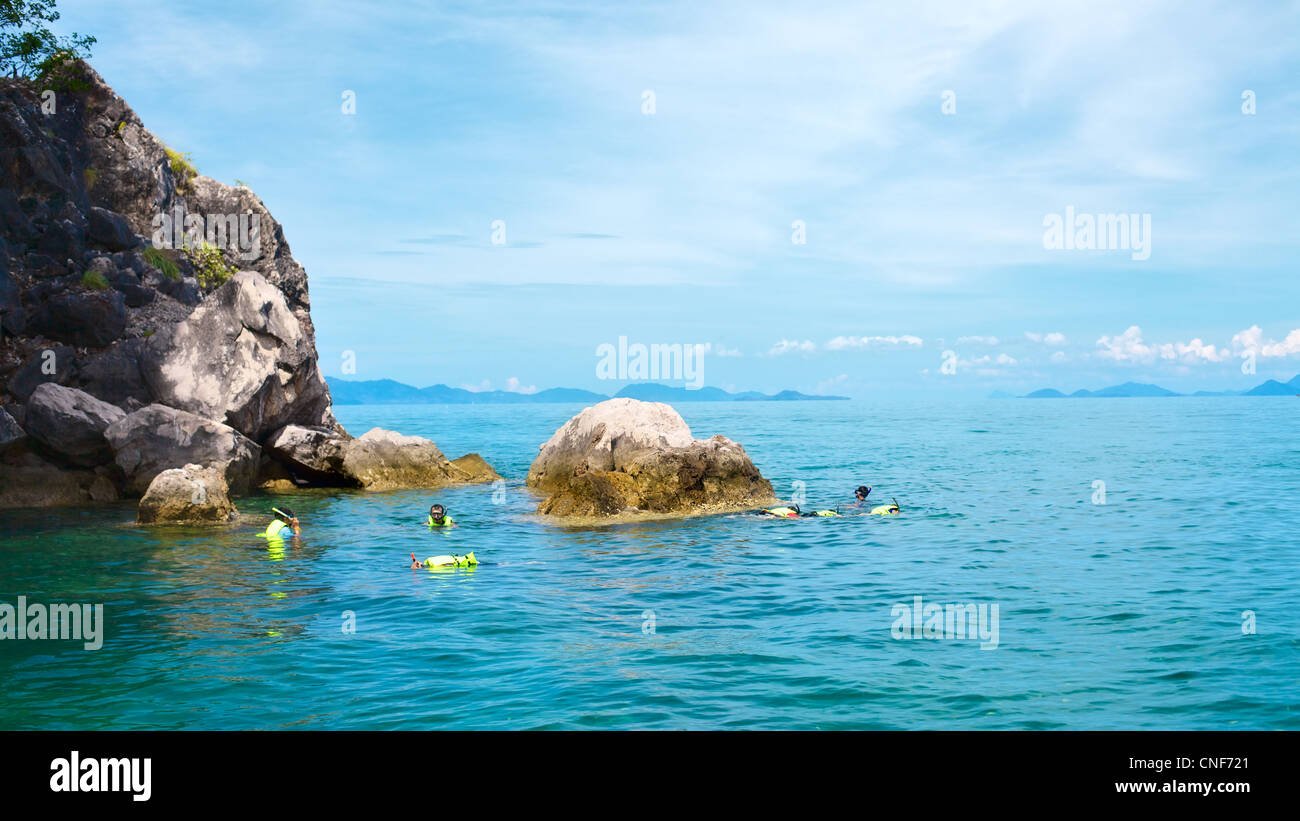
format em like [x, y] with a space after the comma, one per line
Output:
[1252, 340]
[1286, 347]
[1053, 339]
[485, 385]
[980, 363]
[790, 346]
[1130, 347]
[844, 343]
[977, 340]
[1059, 356]
[1194, 351]
[512, 385]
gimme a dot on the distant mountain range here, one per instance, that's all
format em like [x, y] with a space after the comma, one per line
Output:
[1139, 389]
[389, 392]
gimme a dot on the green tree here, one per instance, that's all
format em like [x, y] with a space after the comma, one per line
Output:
[27, 46]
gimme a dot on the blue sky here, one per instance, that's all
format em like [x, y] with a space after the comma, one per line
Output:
[924, 229]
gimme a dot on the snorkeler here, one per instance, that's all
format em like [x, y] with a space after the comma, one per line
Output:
[438, 517]
[467, 560]
[786, 512]
[284, 518]
[792, 511]
[860, 496]
[887, 510]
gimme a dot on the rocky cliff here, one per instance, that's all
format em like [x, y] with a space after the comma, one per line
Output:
[151, 319]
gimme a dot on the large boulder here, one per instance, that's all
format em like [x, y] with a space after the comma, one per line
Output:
[87, 318]
[242, 356]
[110, 230]
[56, 363]
[156, 438]
[385, 460]
[627, 456]
[71, 423]
[192, 494]
[379, 460]
[314, 454]
[114, 374]
[472, 469]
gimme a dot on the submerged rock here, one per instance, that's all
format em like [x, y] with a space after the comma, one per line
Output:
[71, 423]
[189, 494]
[628, 456]
[157, 438]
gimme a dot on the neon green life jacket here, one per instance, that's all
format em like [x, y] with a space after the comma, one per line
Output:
[447, 521]
[467, 560]
[783, 512]
[885, 510]
[826, 513]
[273, 530]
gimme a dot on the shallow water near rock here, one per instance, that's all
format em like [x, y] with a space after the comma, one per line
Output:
[1127, 614]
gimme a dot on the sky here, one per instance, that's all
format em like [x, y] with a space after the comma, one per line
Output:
[854, 199]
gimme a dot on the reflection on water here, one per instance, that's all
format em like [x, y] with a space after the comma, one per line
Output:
[1126, 614]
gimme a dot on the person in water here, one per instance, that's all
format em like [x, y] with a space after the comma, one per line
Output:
[468, 560]
[284, 520]
[438, 517]
[887, 510]
[860, 496]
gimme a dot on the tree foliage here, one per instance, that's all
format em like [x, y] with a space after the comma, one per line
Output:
[27, 46]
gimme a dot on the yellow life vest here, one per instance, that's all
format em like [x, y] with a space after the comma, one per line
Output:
[273, 530]
[467, 560]
[885, 510]
[447, 521]
[783, 512]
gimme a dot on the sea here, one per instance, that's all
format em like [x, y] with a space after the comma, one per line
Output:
[1058, 564]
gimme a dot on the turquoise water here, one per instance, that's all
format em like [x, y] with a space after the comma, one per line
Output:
[1120, 615]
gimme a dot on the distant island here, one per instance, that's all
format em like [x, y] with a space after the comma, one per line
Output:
[390, 392]
[1272, 387]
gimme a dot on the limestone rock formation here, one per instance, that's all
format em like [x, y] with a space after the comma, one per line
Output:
[189, 494]
[625, 456]
[242, 357]
[71, 424]
[385, 460]
[156, 438]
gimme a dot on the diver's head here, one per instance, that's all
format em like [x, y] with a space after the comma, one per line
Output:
[284, 514]
[862, 492]
[437, 512]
